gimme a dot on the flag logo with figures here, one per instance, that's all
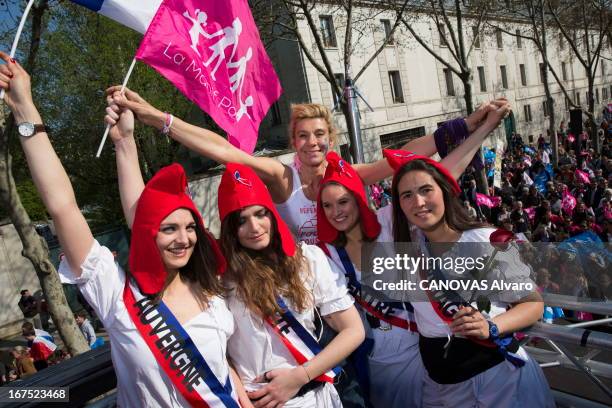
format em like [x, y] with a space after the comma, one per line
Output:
[212, 52]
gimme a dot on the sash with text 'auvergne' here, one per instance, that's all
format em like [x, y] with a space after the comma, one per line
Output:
[300, 343]
[177, 354]
[377, 308]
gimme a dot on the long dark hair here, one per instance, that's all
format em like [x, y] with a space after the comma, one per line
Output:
[260, 276]
[455, 214]
[201, 269]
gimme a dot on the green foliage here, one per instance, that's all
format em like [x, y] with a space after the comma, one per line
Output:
[81, 55]
[31, 201]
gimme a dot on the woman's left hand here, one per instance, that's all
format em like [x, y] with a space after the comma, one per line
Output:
[283, 384]
[470, 322]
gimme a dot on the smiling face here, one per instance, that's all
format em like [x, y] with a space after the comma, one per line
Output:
[340, 207]
[421, 200]
[311, 141]
[176, 239]
[255, 227]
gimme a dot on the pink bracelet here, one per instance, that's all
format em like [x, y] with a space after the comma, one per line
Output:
[167, 123]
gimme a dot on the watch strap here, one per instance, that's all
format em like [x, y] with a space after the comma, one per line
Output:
[40, 128]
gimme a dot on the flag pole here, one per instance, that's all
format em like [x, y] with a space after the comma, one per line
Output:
[24, 17]
[125, 81]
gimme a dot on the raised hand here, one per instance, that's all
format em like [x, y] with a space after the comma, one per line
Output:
[120, 119]
[144, 111]
[16, 82]
[478, 117]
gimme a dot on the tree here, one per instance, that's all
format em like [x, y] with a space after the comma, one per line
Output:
[585, 26]
[450, 21]
[354, 19]
[533, 14]
[34, 247]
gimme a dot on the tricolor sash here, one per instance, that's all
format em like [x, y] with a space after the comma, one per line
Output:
[447, 302]
[176, 353]
[300, 343]
[377, 308]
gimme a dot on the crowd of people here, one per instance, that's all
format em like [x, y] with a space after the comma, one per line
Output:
[234, 321]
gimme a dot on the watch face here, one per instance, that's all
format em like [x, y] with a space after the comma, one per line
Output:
[494, 330]
[26, 129]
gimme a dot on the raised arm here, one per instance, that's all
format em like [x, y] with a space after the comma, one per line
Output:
[462, 155]
[207, 143]
[456, 161]
[48, 174]
[130, 179]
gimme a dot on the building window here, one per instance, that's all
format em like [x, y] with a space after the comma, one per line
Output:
[339, 79]
[561, 41]
[498, 37]
[603, 69]
[519, 42]
[545, 108]
[388, 36]
[567, 103]
[442, 32]
[396, 87]
[276, 115]
[527, 112]
[564, 70]
[604, 93]
[504, 76]
[523, 75]
[542, 71]
[476, 36]
[448, 77]
[396, 140]
[597, 95]
[328, 31]
[481, 77]
[577, 98]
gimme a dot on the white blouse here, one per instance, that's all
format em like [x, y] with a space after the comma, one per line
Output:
[141, 382]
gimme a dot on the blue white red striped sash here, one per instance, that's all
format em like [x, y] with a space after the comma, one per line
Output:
[177, 354]
[446, 303]
[382, 310]
[300, 343]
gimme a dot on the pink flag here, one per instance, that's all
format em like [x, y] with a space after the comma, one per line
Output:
[487, 201]
[212, 52]
[582, 176]
[530, 213]
[568, 202]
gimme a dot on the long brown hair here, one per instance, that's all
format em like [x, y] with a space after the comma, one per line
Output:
[200, 270]
[455, 214]
[260, 276]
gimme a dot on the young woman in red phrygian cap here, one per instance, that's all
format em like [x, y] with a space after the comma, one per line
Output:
[167, 321]
[276, 290]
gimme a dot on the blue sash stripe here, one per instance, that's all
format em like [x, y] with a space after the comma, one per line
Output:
[94, 5]
[349, 272]
[302, 333]
[224, 393]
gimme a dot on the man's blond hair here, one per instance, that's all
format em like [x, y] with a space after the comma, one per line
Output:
[302, 111]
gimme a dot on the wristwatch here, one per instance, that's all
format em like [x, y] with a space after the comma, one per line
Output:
[27, 129]
[493, 331]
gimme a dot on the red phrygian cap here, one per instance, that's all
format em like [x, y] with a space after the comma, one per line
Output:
[398, 158]
[240, 187]
[163, 194]
[341, 172]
